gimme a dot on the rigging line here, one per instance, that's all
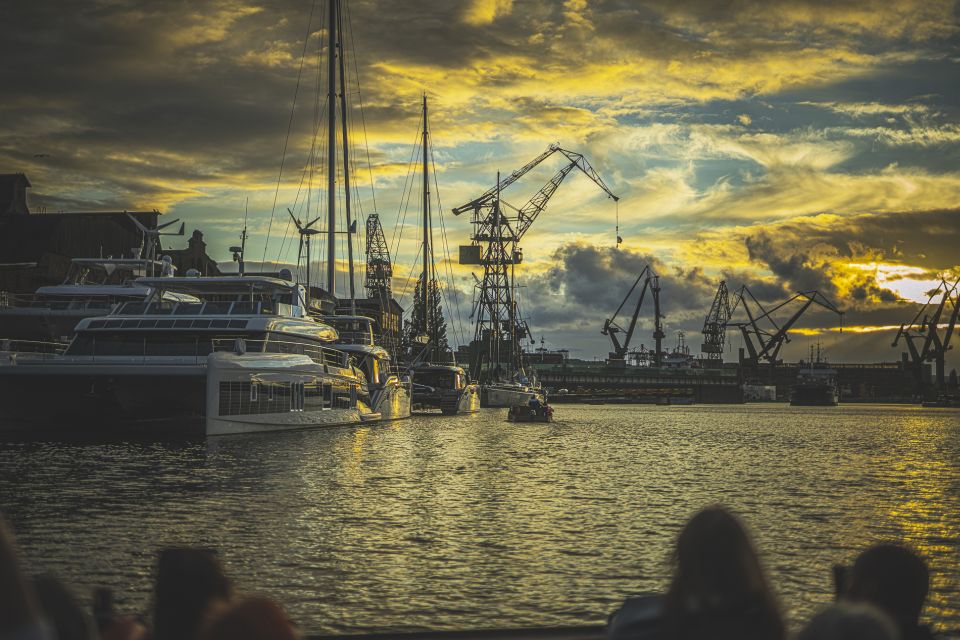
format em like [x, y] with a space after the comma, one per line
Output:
[296, 199]
[404, 209]
[446, 248]
[286, 140]
[406, 283]
[394, 242]
[363, 121]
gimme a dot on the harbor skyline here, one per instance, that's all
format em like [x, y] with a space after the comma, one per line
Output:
[783, 145]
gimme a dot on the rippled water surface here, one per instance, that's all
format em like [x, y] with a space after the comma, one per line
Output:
[472, 521]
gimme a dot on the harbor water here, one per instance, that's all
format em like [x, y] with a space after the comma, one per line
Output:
[471, 521]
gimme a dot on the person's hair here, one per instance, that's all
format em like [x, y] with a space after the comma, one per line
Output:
[188, 582]
[892, 578]
[850, 621]
[17, 605]
[718, 582]
[61, 610]
[253, 618]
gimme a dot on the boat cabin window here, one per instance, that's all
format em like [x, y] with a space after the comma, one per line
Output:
[155, 344]
[353, 330]
[442, 378]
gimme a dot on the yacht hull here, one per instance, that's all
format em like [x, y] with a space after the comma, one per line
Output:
[450, 401]
[393, 401]
[224, 394]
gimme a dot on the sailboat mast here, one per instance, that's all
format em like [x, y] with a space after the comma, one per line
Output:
[346, 167]
[332, 43]
[426, 226]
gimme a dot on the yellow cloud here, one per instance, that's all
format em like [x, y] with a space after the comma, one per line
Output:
[483, 12]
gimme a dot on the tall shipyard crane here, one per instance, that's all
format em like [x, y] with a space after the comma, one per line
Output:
[496, 236]
[924, 329]
[762, 336]
[651, 282]
[379, 268]
[715, 326]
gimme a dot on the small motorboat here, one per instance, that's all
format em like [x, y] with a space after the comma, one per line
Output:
[526, 413]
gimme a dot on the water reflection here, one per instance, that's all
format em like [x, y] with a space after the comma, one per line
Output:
[472, 521]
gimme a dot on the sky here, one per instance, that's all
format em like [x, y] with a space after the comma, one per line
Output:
[784, 145]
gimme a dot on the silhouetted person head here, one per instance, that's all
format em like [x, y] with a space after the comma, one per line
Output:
[61, 610]
[188, 582]
[850, 621]
[253, 618]
[893, 579]
[18, 608]
[719, 589]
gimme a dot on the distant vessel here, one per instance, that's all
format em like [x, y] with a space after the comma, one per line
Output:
[244, 357]
[816, 384]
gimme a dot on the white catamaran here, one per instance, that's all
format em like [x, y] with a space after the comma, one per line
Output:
[243, 358]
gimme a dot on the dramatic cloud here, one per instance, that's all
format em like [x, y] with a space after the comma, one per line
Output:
[782, 144]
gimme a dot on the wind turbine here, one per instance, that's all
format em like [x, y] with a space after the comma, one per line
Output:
[305, 230]
[148, 251]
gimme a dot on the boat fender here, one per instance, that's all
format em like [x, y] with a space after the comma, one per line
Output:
[638, 618]
[240, 346]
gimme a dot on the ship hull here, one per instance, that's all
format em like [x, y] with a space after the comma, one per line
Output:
[221, 394]
[449, 401]
[824, 396]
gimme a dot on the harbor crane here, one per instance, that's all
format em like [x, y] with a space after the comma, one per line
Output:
[379, 274]
[495, 246]
[762, 336]
[715, 326]
[651, 282]
[925, 327]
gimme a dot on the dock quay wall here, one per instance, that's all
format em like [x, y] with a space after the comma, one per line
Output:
[641, 384]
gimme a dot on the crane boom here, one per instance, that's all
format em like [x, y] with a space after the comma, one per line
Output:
[492, 193]
[528, 213]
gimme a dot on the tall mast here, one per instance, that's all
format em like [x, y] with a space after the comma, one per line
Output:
[426, 226]
[346, 166]
[332, 43]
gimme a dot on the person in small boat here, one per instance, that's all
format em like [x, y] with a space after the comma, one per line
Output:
[534, 405]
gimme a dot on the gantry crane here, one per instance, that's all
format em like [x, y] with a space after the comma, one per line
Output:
[715, 326]
[495, 351]
[651, 282]
[770, 339]
[925, 326]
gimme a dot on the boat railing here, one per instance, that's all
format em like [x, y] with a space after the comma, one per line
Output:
[20, 301]
[320, 355]
[35, 348]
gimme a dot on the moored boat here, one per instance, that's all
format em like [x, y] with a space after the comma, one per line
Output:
[242, 358]
[444, 387]
[390, 392]
[93, 287]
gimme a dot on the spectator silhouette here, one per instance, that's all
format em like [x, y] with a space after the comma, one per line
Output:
[254, 618]
[61, 610]
[19, 612]
[719, 590]
[895, 580]
[850, 621]
[189, 581]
